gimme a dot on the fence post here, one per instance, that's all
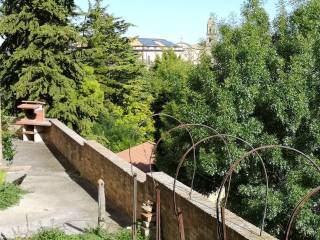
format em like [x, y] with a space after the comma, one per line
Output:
[158, 213]
[101, 204]
[134, 210]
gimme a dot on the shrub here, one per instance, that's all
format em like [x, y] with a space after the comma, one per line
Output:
[7, 139]
[49, 234]
[10, 195]
[8, 148]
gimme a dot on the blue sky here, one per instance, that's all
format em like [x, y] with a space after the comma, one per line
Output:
[174, 19]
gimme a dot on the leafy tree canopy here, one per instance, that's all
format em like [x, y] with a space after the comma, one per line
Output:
[262, 86]
[108, 51]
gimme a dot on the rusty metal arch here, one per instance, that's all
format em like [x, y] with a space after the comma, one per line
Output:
[229, 173]
[185, 126]
[223, 136]
[178, 211]
[297, 209]
[243, 157]
[193, 147]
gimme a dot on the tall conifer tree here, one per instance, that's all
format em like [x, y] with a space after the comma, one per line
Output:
[118, 70]
[37, 64]
[108, 51]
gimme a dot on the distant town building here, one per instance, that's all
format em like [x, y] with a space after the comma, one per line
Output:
[150, 48]
[191, 52]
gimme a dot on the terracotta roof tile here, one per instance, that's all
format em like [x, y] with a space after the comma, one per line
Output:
[140, 156]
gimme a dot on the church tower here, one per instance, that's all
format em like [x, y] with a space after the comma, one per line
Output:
[211, 32]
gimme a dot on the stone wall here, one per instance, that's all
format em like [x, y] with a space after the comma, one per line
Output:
[199, 213]
[93, 161]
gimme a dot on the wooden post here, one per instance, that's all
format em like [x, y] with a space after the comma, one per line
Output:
[181, 225]
[101, 204]
[158, 212]
[134, 210]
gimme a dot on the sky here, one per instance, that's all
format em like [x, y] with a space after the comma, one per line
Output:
[174, 20]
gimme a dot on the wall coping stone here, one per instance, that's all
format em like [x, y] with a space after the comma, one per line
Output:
[241, 226]
[68, 131]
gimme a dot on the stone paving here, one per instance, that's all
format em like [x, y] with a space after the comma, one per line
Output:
[55, 197]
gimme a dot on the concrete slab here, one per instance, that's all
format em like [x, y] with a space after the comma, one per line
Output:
[55, 197]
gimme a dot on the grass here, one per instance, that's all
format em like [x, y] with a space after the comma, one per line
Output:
[10, 194]
[95, 234]
[2, 176]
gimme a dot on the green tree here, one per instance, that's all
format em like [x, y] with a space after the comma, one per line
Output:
[37, 63]
[168, 79]
[263, 87]
[106, 50]
[120, 127]
[127, 100]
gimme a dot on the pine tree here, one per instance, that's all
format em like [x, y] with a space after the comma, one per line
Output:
[36, 59]
[127, 100]
[108, 51]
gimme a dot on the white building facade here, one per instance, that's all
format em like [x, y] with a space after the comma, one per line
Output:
[151, 48]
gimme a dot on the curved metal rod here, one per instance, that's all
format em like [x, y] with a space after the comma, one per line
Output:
[187, 125]
[223, 136]
[181, 126]
[182, 160]
[247, 154]
[302, 202]
[229, 154]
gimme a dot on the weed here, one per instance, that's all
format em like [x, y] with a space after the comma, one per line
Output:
[10, 195]
[92, 234]
[2, 176]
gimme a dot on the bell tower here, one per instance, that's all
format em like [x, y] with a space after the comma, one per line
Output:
[211, 32]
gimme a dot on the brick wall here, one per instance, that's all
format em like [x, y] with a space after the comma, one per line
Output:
[93, 161]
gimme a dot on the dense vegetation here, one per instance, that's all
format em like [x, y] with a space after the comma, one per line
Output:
[259, 82]
[87, 73]
[262, 86]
